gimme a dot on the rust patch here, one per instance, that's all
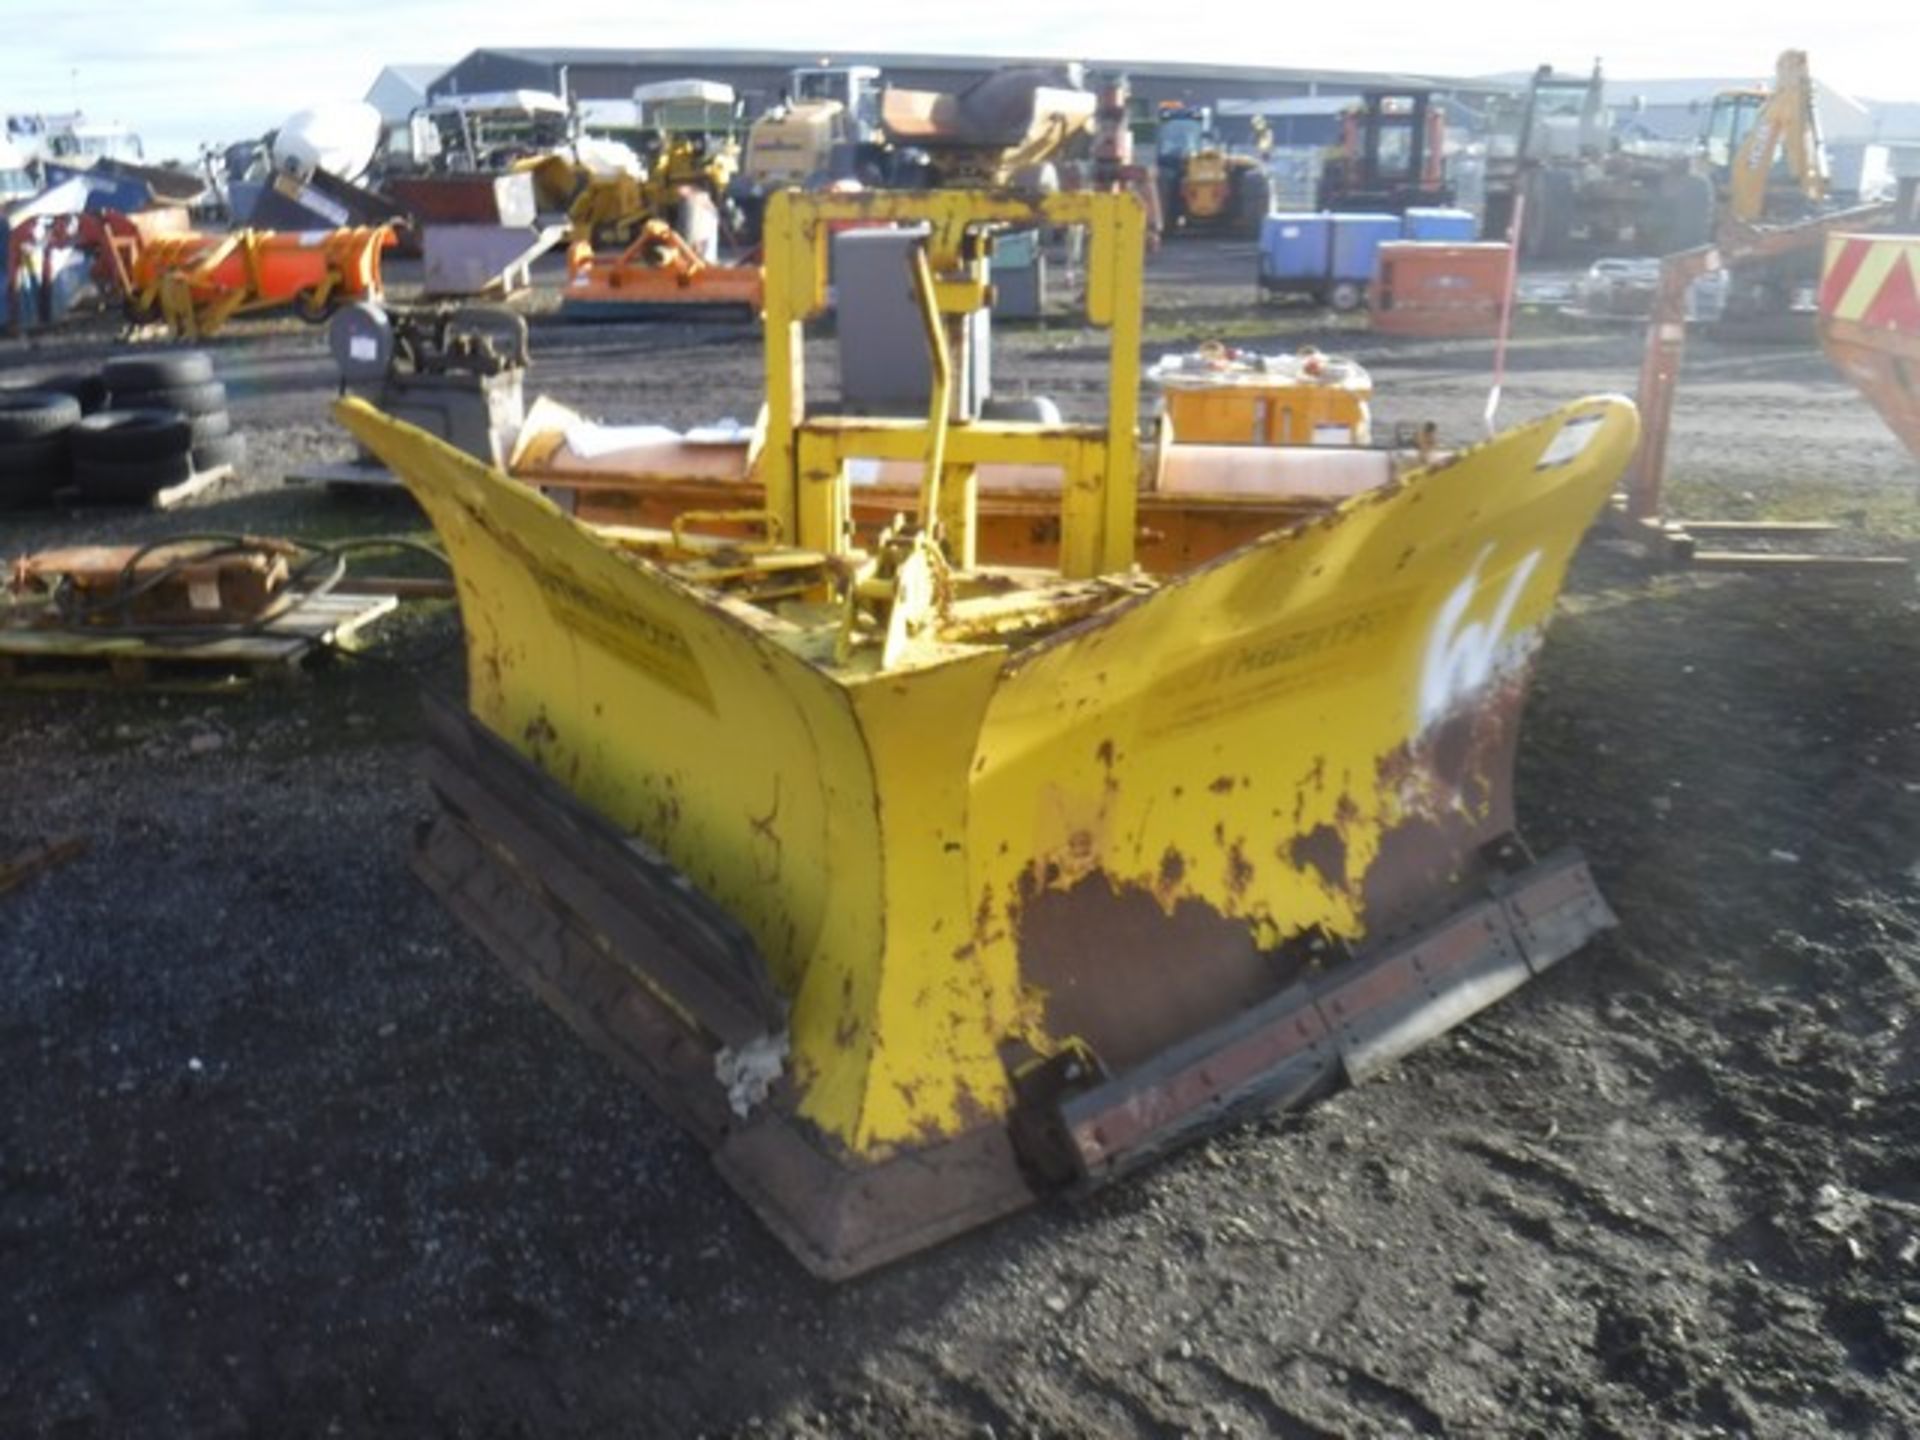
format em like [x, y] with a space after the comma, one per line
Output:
[1130, 977]
[1323, 851]
[540, 731]
[1239, 870]
[1222, 786]
[1457, 780]
[970, 1109]
[1173, 869]
[1105, 753]
[763, 825]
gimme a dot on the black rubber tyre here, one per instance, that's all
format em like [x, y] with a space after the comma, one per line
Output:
[1683, 218]
[1252, 201]
[44, 452]
[118, 436]
[27, 489]
[31, 470]
[221, 450]
[34, 414]
[158, 370]
[86, 386]
[207, 398]
[216, 426]
[129, 482]
[1347, 295]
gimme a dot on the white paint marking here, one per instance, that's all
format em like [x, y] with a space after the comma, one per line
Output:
[1460, 654]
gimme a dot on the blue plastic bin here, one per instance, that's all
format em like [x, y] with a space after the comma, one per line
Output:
[1356, 241]
[1454, 227]
[1294, 251]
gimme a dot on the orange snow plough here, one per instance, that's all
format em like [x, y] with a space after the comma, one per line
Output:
[196, 282]
[659, 272]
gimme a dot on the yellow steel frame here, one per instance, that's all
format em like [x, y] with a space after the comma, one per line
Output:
[804, 463]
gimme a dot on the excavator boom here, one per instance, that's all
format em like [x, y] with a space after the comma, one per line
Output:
[1788, 124]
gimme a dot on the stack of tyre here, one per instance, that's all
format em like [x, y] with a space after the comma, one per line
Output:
[165, 420]
[143, 424]
[35, 444]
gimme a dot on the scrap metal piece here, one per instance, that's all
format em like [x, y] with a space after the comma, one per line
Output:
[121, 585]
[21, 867]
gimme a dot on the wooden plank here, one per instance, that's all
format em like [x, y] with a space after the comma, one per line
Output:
[88, 658]
[198, 483]
[264, 646]
[1757, 527]
[17, 869]
[1881, 565]
[401, 587]
[346, 475]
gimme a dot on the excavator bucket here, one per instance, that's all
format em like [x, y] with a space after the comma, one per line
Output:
[1870, 323]
[988, 132]
[919, 891]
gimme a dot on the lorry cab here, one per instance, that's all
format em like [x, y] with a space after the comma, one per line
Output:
[489, 131]
[72, 140]
[856, 88]
[16, 180]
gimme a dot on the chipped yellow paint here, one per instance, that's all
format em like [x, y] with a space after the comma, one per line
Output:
[1244, 742]
[872, 829]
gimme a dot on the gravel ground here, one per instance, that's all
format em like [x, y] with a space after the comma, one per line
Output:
[281, 1151]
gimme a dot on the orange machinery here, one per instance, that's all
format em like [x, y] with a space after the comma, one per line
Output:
[197, 282]
[1870, 323]
[1433, 288]
[659, 272]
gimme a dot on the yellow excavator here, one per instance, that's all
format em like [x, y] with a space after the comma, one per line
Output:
[1204, 186]
[1763, 149]
[608, 211]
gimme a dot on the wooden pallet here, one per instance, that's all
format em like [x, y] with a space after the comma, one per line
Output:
[97, 658]
[1677, 543]
[198, 483]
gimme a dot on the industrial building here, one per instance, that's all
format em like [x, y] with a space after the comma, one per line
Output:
[760, 76]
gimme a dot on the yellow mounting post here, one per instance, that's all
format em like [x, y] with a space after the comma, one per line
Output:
[804, 463]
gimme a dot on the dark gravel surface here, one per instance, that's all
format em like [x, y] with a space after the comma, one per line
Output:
[282, 1152]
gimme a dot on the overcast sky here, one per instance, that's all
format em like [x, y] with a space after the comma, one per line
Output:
[187, 71]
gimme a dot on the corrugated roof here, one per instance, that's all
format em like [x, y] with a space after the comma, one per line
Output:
[420, 75]
[787, 59]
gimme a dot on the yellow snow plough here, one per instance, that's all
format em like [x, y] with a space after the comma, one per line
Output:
[921, 884]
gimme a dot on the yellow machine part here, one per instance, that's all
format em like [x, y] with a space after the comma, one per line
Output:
[557, 178]
[1787, 125]
[610, 210]
[1206, 185]
[1008, 843]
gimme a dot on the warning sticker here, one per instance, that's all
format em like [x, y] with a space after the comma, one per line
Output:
[1571, 442]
